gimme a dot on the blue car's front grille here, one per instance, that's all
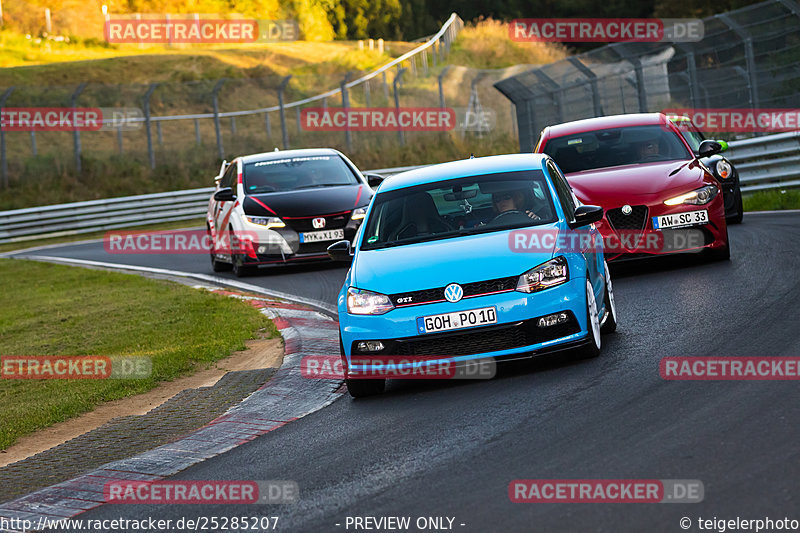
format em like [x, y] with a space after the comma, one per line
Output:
[477, 288]
[478, 340]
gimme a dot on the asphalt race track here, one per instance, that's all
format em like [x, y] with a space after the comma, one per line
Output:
[451, 449]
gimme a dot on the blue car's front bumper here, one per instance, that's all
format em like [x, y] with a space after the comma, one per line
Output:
[516, 333]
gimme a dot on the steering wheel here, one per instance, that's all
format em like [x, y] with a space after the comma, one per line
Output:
[506, 213]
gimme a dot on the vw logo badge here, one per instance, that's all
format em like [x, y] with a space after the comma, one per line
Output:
[626, 209]
[453, 292]
[318, 223]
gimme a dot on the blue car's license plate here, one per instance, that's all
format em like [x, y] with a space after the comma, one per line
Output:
[457, 320]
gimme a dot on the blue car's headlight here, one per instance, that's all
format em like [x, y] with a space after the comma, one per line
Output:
[360, 302]
[700, 196]
[549, 274]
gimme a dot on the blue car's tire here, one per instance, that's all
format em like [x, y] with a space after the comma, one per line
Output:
[360, 388]
[610, 323]
[592, 346]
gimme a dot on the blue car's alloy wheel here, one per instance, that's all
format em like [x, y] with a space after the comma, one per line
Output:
[610, 320]
[592, 348]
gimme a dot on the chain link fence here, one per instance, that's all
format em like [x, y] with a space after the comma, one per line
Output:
[223, 117]
[748, 58]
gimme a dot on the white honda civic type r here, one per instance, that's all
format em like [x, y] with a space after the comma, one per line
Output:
[284, 206]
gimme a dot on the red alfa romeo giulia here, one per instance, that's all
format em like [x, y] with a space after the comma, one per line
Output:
[658, 197]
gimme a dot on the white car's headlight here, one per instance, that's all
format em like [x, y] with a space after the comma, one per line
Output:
[724, 169]
[700, 196]
[267, 222]
[549, 274]
[360, 302]
[359, 214]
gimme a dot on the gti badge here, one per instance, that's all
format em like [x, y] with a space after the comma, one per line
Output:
[318, 223]
[626, 209]
[453, 292]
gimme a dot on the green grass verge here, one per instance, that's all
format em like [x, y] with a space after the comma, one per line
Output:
[50, 309]
[772, 200]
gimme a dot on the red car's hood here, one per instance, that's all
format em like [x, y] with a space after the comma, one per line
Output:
[636, 184]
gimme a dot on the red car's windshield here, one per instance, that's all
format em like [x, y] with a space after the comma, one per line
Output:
[615, 147]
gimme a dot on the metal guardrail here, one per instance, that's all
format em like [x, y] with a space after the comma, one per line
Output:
[78, 218]
[768, 162]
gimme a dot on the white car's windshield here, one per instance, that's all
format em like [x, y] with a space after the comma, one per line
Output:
[294, 173]
[457, 207]
[615, 147]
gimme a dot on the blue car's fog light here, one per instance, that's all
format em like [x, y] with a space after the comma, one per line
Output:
[369, 346]
[552, 320]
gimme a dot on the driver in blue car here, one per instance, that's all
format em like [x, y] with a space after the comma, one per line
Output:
[511, 201]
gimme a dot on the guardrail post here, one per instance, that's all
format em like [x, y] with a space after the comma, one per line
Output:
[197, 131]
[76, 135]
[297, 113]
[441, 91]
[397, 78]
[215, 101]
[233, 126]
[366, 93]
[119, 140]
[425, 62]
[159, 135]
[433, 53]
[33, 143]
[151, 156]
[348, 136]
[267, 125]
[4, 162]
[284, 132]
[385, 87]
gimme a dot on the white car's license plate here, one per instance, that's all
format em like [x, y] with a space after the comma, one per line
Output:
[457, 320]
[327, 235]
[689, 218]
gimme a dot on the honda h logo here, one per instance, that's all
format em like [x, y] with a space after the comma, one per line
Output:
[453, 292]
[318, 223]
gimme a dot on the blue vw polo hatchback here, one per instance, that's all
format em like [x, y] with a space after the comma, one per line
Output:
[485, 258]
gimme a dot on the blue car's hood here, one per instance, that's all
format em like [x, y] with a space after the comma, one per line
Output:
[434, 264]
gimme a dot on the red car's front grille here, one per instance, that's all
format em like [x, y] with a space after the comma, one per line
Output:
[636, 220]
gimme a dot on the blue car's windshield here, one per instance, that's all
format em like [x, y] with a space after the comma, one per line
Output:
[293, 173]
[450, 209]
[630, 145]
